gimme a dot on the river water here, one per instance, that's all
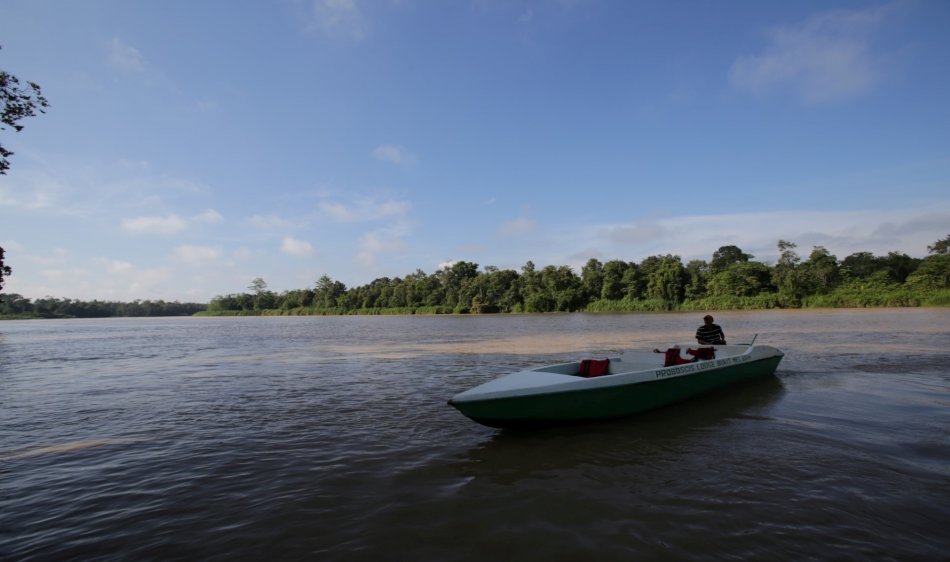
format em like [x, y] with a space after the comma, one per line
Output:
[329, 438]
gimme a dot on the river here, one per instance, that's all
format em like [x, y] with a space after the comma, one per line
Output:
[329, 438]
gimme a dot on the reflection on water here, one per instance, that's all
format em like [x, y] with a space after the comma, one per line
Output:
[641, 440]
[60, 448]
[330, 439]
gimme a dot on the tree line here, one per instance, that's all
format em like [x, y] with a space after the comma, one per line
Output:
[731, 279]
[14, 305]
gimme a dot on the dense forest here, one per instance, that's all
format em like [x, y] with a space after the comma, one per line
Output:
[13, 305]
[732, 279]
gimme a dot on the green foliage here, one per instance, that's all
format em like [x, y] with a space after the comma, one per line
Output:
[741, 279]
[628, 305]
[785, 273]
[666, 281]
[658, 283]
[766, 300]
[14, 305]
[819, 274]
[5, 270]
[697, 277]
[592, 280]
[936, 298]
[725, 257]
[18, 103]
[612, 285]
[940, 247]
[855, 295]
[933, 274]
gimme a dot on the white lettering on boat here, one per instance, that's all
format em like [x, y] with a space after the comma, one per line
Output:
[701, 366]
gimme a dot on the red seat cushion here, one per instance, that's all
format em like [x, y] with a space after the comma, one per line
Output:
[594, 367]
[672, 357]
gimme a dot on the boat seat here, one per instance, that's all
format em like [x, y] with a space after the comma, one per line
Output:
[594, 367]
[672, 357]
[702, 353]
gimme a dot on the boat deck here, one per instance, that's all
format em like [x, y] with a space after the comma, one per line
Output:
[631, 361]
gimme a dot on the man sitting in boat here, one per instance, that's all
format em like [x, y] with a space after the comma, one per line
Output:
[709, 333]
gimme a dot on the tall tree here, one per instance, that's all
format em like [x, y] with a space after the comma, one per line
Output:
[860, 265]
[327, 291]
[741, 279]
[785, 272]
[668, 280]
[18, 103]
[454, 279]
[940, 247]
[258, 285]
[726, 256]
[561, 289]
[5, 270]
[819, 274]
[697, 277]
[592, 280]
[933, 274]
[644, 272]
[612, 287]
[899, 266]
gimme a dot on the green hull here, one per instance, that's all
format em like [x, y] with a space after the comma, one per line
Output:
[576, 406]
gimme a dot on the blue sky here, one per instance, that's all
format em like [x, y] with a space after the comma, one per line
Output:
[194, 146]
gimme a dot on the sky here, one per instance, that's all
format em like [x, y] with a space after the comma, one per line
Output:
[191, 147]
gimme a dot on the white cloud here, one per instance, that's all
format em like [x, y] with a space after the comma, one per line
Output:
[395, 154]
[518, 226]
[294, 247]
[114, 267]
[154, 225]
[210, 217]
[826, 58]
[169, 224]
[841, 232]
[196, 255]
[340, 19]
[638, 233]
[375, 243]
[365, 210]
[36, 199]
[242, 254]
[338, 212]
[125, 57]
[269, 222]
[391, 208]
[59, 256]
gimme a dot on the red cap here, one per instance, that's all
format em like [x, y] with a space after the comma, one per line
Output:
[707, 317]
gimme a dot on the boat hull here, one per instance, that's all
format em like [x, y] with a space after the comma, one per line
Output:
[580, 405]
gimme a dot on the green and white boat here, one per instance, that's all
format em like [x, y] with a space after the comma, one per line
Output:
[634, 382]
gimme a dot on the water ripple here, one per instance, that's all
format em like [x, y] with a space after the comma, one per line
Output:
[329, 438]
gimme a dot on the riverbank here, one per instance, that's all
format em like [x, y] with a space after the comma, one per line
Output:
[850, 297]
[839, 300]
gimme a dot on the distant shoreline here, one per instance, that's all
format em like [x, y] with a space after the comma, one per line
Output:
[402, 312]
[843, 298]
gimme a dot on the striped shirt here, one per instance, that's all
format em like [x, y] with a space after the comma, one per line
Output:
[710, 334]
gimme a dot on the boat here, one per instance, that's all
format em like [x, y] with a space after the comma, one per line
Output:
[614, 387]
